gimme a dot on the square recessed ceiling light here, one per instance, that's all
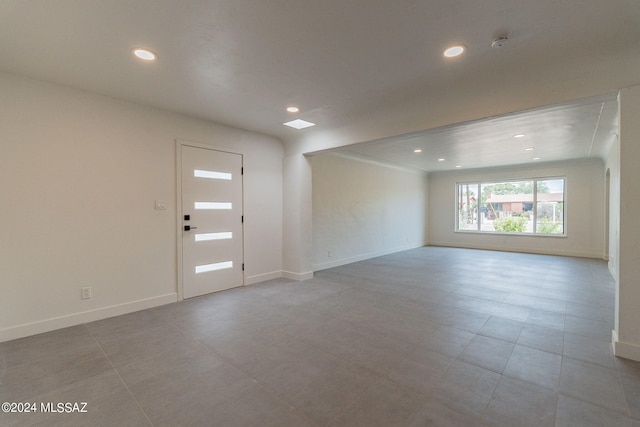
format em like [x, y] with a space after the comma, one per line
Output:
[299, 124]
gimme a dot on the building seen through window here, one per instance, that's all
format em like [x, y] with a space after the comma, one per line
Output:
[534, 206]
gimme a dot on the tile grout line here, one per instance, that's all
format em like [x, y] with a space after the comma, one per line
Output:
[227, 360]
[583, 400]
[353, 401]
[276, 396]
[624, 393]
[120, 377]
[265, 387]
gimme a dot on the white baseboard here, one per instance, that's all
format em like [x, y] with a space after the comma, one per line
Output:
[52, 324]
[624, 349]
[263, 277]
[297, 276]
[517, 249]
[362, 257]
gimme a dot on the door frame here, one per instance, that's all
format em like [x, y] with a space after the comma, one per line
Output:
[179, 144]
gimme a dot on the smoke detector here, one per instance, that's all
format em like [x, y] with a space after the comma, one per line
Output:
[500, 42]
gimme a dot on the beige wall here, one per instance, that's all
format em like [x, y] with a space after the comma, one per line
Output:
[297, 218]
[624, 217]
[79, 174]
[362, 209]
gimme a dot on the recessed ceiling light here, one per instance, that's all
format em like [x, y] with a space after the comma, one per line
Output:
[293, 109]
[520, 135]
[454, 51]
[145, 54]
[417, 150]
[441, 160]
[299, 124]
[536, 158]
[458, 166]
[529, 148]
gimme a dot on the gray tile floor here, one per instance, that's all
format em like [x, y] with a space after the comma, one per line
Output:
[431, 336]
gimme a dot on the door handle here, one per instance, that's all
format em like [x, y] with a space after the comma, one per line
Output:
[189, 227]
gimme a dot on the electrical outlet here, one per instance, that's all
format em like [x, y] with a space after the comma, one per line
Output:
[85, 293]
[329, 254]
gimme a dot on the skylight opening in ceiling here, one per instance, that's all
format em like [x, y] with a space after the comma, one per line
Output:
[299, 124]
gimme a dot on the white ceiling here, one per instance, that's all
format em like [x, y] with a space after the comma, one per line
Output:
[371, 65]
[577, 130]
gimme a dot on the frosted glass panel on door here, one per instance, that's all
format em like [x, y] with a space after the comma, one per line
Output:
[213, 267]
[212, 174]
[203, 237]
[212, 205]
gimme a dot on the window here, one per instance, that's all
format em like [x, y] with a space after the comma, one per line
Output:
[534, 206]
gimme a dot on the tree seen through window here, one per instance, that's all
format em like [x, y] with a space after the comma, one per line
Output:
[533, 206]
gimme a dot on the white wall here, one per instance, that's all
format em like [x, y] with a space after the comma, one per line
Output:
[79, 174]
[626, 335]
[297, 218]
[584, 209]
[362, 209]
[612, 165]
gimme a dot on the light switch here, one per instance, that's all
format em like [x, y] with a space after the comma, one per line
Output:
[160, 205]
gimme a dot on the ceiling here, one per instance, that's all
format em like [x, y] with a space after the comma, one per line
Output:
[577, 130]
[367, 70]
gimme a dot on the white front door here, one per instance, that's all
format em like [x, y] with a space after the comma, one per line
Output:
[212, 252]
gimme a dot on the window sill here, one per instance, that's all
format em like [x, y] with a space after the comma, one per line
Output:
[498, 233]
